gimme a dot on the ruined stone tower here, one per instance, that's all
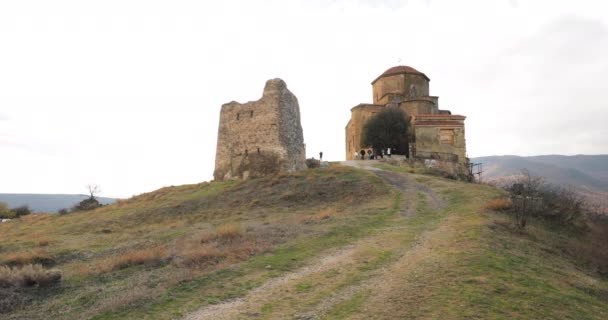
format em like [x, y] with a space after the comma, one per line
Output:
[261, 137]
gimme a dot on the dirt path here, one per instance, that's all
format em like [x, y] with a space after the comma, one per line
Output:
[338, 276]
[233, 308]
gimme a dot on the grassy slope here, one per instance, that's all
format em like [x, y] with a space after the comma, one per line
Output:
[281, 220]
[455, 262]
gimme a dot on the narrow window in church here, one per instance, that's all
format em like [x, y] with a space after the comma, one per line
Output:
[251, 114]
[238, 116]
[258, 148]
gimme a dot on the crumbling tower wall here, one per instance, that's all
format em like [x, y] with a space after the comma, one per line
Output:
[260, 137]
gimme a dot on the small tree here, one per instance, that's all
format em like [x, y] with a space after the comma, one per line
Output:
[526, 197]
[91, 202]
[93, 190]
[386, 129]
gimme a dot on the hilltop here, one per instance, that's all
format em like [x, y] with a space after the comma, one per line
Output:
[330, 243]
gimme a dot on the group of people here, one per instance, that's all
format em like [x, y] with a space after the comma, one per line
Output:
[371, 155]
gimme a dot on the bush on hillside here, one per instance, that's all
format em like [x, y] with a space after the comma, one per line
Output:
[312, 163]
[87, 204]
[565, 209]
[561, 204]
[5, 212]
[22, 211]
[532, 196]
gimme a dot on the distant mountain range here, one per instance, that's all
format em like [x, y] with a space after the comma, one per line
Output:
[50, 203]
[586, 174]
[590, 171]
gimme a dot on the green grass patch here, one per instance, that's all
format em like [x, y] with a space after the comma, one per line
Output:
[347, 308]
[303, 286]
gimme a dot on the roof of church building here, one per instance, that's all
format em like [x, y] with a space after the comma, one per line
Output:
[399, 70]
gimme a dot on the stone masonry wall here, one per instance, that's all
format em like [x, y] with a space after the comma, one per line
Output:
[429, 146]
[260, 137]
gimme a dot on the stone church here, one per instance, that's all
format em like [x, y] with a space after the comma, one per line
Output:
[433, 133]
[260, 137]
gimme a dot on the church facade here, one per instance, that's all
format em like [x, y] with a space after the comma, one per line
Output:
[434, 133]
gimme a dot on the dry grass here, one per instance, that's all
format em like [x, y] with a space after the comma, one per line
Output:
[200, 255]
[28, 276]
[225, 233]
[43, 243]
[324, 214]
[498, 204]
[155, 256]
[38, 256]
[592, 249]
[117, 248]
[228, 243]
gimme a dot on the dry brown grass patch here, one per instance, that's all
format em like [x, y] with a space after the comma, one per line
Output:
[38, 256]
[149, 256]
[43, 243]
[227, 243]
[225, 233]
[498, 204]
[28, 276]
[199, 255]
[324, 214]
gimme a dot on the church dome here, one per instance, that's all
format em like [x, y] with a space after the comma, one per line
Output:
[400, 70]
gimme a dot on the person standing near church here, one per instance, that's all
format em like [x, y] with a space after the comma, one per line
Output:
[388, 152]
[321, 156]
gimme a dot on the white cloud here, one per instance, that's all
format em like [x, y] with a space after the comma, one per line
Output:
[547, 90]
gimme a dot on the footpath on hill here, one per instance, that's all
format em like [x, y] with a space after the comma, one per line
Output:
[440, 255]
[367, 276]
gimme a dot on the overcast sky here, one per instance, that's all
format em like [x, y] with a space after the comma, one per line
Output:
[127, 94]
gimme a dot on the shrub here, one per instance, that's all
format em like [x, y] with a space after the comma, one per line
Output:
[87, 204]
[28, 276]
[5, 212]
[498, 204]
[560, 204]
[22, 211]
[312, 163]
